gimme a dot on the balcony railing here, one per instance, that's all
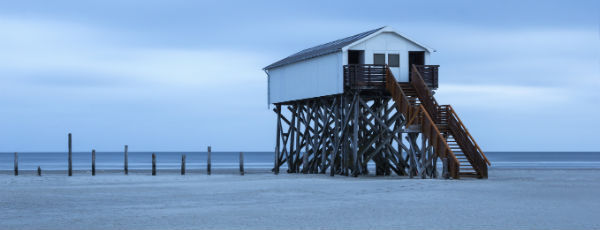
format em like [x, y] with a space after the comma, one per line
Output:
[429, 73]
[364, 76]
[372, 77]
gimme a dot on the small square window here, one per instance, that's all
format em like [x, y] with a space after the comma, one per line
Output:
[394, 60]
[379, 59]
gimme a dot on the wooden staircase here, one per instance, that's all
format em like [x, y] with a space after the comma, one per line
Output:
[465, 156]
[417, 115]
[466, 169]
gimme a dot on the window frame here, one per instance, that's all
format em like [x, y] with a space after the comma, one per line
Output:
[374, 59]
[389, 62]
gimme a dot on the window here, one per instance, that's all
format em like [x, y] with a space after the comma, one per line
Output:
[394, 60]
[379, 59]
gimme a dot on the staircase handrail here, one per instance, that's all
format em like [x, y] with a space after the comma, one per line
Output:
[423, 91]
[397, 93]
[428, 126]
[433, 108]
[427, 121]
[466, 131]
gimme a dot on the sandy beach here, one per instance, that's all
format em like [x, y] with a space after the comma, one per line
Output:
[515, 199]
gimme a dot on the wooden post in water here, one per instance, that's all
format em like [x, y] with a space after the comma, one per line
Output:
[39, 171]
[208, 162]
[153, 164]
[183, 164]
[241, 163]
[125, 163]
[16, 164]
[93, 162]
[70, 156]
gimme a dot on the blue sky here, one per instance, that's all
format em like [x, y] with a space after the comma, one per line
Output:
[181, 75]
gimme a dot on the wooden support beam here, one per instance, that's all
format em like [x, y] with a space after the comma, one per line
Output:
[355, 115]
[343, 133]
[277, 143]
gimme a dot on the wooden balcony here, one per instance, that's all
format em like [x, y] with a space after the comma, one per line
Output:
[372, 77]
[365, 77]
[429, 73]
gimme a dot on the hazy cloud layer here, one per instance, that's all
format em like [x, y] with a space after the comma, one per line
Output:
[181, 76]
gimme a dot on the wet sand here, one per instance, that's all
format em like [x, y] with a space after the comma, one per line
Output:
[510, 198]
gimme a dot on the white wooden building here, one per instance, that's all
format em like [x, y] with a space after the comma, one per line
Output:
[319, 71]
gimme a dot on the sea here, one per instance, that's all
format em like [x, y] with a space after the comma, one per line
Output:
[263, 160]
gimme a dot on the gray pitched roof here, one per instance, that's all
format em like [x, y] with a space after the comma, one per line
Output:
[327, 48]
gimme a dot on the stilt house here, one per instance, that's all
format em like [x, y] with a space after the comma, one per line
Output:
[367, 98]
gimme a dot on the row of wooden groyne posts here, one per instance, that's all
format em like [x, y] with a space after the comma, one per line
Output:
[125, 163]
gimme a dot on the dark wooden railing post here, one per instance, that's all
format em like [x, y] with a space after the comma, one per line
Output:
[368, 74]
[353, 83]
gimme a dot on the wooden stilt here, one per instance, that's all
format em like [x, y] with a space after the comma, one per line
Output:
[277, 144]
[355, 126]
[445, 173]
[343, 134]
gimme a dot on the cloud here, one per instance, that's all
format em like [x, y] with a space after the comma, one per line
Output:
[67, 54]
[112, 85]
[503, 97]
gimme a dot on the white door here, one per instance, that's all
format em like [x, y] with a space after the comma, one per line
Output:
[391, 58]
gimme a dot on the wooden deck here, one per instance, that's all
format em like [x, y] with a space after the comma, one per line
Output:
[372, 77]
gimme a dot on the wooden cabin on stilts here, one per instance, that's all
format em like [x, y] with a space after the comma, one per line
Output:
[367, 98]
